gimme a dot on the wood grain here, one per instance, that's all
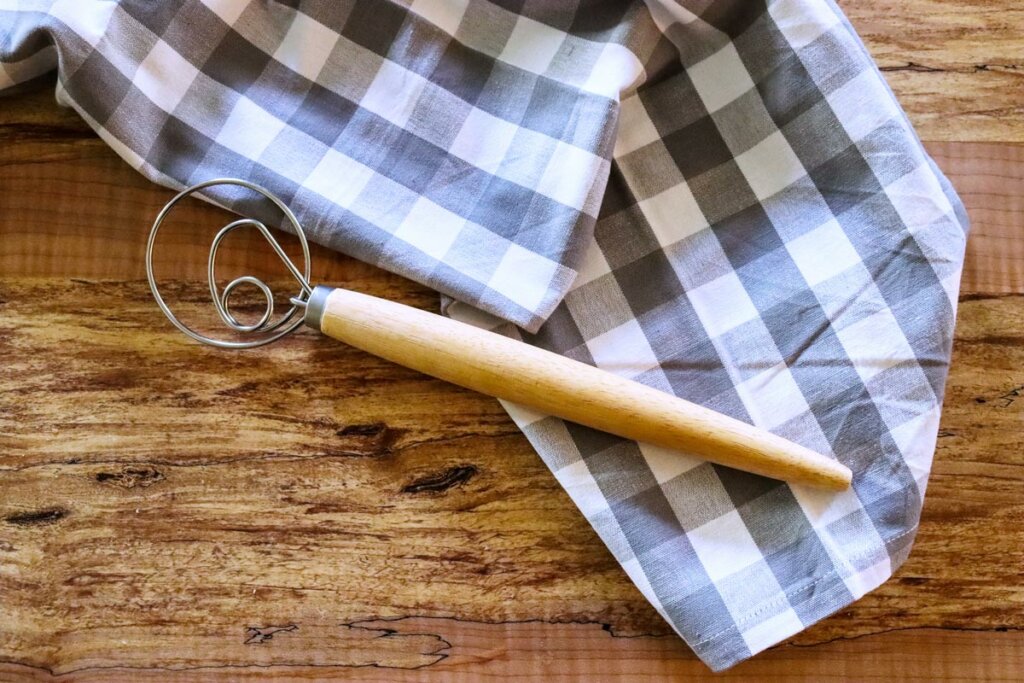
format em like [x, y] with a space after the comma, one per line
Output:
[956, 67]
[199, 500]
[989, 178]
[174, 512]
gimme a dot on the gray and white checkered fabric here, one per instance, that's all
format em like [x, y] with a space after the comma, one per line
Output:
[720, 199]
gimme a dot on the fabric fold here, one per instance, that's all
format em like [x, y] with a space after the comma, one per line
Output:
[721, 199]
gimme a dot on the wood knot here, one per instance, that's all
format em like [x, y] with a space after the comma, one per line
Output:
[374, 440]
[130, 477]
[37, 517]
[442, 481]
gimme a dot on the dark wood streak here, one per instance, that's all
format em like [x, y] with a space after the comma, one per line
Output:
[257, 635]
[440, 482]
[37, 517]
[131, 477]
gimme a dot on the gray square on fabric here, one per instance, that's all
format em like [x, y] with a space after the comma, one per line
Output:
[616, 228]
[827, 53]
[722, 191]
[876, 148]
[322, 114]
[548, 109]
[704, 497]
[489, 24]
[146, 116]
[654, 528]
[744, 122]
[236, 62]
[374, 25]
[621, 473]
[195, 31]
[698, 259]
[698, 148]
[763, 48]
[101, 87]
[130, 38]
[552, 432]
[788, 91]
[672, 103]
[464, 71]
[648, 281]
[561, 334]
[156, 17]
[599, 307]
[798, 209]
[349, 70]
[747, 236]
[653, 170]
[802, 135]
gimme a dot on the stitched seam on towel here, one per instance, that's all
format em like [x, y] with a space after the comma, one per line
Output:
[750, 616]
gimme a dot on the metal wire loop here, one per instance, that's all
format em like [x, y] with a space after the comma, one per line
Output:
[270, 330]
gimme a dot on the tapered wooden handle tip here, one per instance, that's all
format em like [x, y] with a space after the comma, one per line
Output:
[555, 385]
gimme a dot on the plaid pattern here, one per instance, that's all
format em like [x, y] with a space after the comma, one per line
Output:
[720, 199]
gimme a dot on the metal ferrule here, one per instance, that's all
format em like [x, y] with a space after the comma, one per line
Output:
[315, 306]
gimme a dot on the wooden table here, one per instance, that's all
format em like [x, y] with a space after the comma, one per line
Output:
[177, 512]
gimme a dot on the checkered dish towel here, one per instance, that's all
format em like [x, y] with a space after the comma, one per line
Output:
[720, 199]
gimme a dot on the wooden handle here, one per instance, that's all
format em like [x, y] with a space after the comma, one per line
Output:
[552, 384]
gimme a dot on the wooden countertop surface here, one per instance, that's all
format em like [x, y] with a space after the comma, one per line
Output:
[174, 512]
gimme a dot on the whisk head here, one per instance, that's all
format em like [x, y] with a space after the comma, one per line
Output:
[266, 329]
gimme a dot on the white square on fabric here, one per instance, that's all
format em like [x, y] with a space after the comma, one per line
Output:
[636, 130]
[770, 165]
[164, 76]
[592, 266]
[447, 15]
[673, 214]
[569, 175]
[918, 198]
[523, 276]
[720, 78]
[581, 487]
[916, 441]
[772, 397]
[520, 414]
[724, 546]
[532, 45]
[431, 228]
[483, 140]
[823, 253]
[249, 129]
[635, 571]
[869, 578]
[862, 104]
[338, 178]
[722, 304]
[667, 464]
[228, 10]
[306, 46]
[90, 26]
[764, 634]
[875, 343]
[615, 70]
[623, 350]
[802, 22]
[824, 507]
[394, 92]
